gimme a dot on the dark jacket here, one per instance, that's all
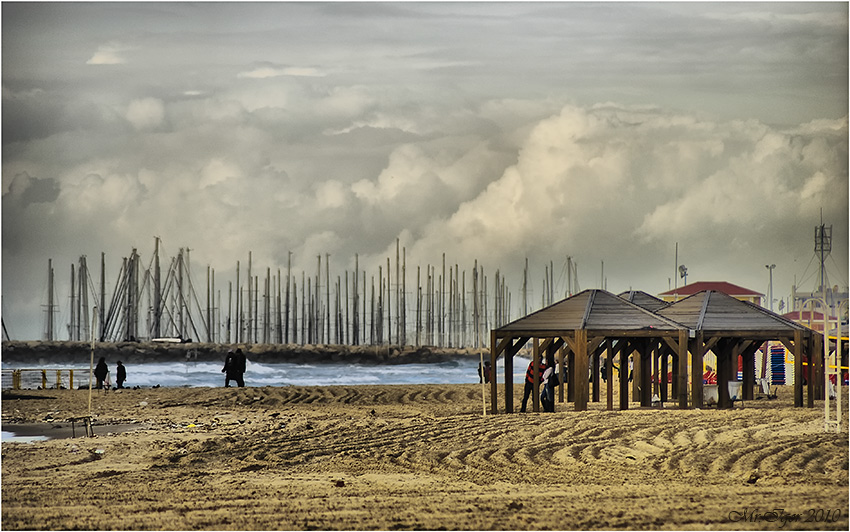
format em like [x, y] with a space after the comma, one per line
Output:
[101, 370]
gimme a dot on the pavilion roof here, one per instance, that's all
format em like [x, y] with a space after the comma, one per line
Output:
[718, 312]
[642, 299]
[592, 310]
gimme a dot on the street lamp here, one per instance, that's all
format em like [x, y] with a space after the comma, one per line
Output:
[770, 286]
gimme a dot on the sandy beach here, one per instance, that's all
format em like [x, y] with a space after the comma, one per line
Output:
[414, 457]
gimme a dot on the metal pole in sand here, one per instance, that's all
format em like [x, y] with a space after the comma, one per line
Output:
[91, 360]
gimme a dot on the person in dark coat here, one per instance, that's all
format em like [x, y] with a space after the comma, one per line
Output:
[100, 372]
[240, 368]
[234, 368]
[120, 376]
[229, 367]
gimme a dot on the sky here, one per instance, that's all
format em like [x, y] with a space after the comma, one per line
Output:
[611, 133]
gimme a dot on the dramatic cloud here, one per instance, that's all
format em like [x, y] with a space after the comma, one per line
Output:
[489, 132]
[108, 54]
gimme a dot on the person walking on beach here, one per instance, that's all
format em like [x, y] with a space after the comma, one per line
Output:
[529, 381]
[120, 376]
[101, 371]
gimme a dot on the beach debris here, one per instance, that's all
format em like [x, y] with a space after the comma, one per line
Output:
[514, 505]
[96, 454]
[73, 448]
[143, 404]
[754, 477]
[339, 483]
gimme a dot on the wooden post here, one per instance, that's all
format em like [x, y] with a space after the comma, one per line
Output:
[646, 354]
[697, 350]
[581, 362]
[624, 349]
[509, 379]
[535, 358]
[636, 370]
[724, 362]
[811, 355]
[674, 384]
[609, 371]
[682, 374]
[662, 374]
[816, 376]
[656, 370]
[494, 388]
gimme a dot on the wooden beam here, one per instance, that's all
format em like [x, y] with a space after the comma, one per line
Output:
[509, 382]
[697, 350]
[494, 387]
[646, 353]
[625, 349]
[580, 372]
[748, 354]
[682, 374]
[609, 370]
[535, 359]
[797, 349]
[811, 356]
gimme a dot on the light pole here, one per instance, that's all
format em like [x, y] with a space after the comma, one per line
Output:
[770, 286]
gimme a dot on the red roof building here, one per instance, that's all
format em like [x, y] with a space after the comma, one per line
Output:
[812, 320]
[738, 292]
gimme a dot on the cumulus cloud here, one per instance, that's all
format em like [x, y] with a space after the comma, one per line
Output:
[109, 54]
[272, 71]
[146, 113]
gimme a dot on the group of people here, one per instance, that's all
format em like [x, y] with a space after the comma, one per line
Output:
[548, 378]
[234, 369]
[101, 374]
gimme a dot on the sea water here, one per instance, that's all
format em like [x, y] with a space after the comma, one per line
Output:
[208, 374]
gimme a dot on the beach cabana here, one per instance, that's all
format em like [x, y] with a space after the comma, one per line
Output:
[730, 327]
[584, 326]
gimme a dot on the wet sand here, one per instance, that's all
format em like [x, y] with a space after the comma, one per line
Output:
[416, 457]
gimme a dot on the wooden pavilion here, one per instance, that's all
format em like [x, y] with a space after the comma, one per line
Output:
[577, 330]
[731, 327]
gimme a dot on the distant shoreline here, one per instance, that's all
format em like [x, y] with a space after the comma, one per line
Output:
[64, 352]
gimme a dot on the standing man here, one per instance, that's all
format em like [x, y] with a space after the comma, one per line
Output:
[240, 361]
[101, 371]
[229, 368]
[529, 381]
[120, 376]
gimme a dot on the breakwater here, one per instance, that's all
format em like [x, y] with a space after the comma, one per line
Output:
[39, 353]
